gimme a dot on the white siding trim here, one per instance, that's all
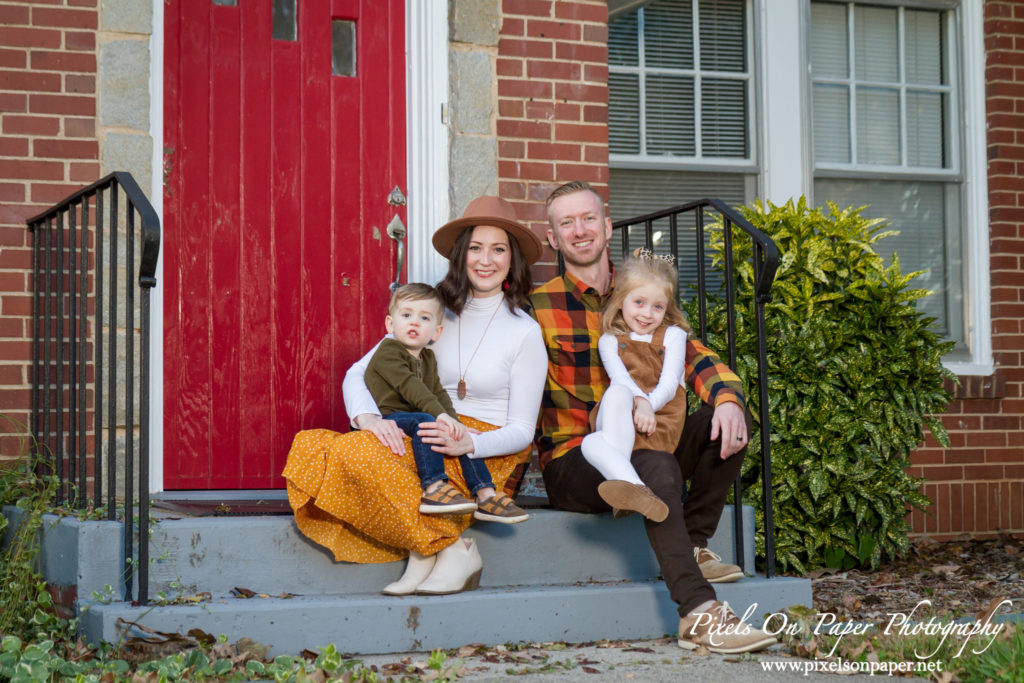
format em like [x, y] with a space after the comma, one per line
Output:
[156, 198]
[426, 97]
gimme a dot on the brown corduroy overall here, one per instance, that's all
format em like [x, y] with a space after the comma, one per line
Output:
[644, 360]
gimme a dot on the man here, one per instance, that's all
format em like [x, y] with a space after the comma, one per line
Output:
[711, 448]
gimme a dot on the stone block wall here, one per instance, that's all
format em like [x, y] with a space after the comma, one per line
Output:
[977, 485]
[48, 149]
[552, 95]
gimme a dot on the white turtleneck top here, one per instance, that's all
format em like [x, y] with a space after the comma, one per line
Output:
[504, 380]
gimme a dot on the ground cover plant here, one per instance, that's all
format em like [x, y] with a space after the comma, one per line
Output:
[854, 374]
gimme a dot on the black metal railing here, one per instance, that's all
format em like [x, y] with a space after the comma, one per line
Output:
[84, 353]
[692, 258]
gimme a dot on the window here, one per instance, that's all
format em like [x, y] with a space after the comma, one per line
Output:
[680, 108]
[886, 119]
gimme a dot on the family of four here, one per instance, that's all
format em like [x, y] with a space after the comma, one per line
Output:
[600, 353]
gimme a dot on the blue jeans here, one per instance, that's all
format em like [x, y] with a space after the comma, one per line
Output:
[430, 463]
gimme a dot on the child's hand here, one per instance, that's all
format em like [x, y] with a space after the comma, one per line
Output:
[643, 416]
[455, 428]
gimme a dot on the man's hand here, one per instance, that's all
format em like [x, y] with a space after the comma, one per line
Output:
[643, 416]
[730, 421]
[386, 431]
[455, 428]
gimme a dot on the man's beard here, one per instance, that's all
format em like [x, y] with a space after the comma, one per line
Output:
[585, 264]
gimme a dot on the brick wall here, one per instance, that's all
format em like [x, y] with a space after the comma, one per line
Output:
[977, 485]
[48, 148]
[552, 120]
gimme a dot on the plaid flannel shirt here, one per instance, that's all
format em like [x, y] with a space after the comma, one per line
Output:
[569, 313]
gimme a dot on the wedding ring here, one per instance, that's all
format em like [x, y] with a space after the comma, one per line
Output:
[739, 438]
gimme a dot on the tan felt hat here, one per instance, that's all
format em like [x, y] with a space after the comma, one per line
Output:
[489, 211]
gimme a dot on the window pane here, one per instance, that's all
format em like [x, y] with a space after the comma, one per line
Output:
[924, 47]
[829, 46]
[722, 35]
[927, 215]
[925, 129]
[622, 37]
[878, 126]
[875, 44]
[724, 118]
[636, 192]
[670, 128]
[623, 113]
[668, 34]
[832, 123]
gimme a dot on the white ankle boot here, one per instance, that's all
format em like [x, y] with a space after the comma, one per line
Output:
[416, 571]
[458, 568]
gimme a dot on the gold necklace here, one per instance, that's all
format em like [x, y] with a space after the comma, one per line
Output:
[460, 389]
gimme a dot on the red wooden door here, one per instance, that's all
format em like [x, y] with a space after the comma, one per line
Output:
[277, 263]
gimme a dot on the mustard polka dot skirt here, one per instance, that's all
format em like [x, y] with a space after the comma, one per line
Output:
[352, 495]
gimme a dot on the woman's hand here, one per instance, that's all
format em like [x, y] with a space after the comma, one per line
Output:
[386, 431]
[436, 434]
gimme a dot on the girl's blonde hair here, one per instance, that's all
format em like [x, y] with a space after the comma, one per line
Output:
[643, 268]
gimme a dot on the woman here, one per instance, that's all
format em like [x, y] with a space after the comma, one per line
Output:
[358, 493]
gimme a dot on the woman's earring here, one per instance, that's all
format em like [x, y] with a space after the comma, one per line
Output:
[504, 285]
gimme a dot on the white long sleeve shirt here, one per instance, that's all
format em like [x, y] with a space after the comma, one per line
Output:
[671, 369]
[504, 380]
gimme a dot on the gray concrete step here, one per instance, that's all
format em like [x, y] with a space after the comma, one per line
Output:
[269, 555]
[373, 623]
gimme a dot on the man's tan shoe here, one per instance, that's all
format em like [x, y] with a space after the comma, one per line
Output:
[713, 569]
[720, 630]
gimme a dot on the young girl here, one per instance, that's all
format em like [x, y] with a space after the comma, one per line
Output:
[643, 350]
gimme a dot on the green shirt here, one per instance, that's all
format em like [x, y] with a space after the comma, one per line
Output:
[400, 382]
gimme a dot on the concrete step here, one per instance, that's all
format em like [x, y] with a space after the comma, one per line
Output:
[269, 555]
[372, 623]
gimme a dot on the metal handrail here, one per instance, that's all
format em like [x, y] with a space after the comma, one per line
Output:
[766, 263]
[72, 241]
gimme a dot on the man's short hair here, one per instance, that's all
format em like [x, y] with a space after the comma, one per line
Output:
[572, 187]
[415, 291]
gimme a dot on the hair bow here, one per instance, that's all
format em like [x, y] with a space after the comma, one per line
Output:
[645, 253]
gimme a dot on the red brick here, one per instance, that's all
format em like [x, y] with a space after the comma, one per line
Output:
[510, 108]
[15, 398]
[36, 170]
[943, 473]
[66, 149]
[510, 189]
[13, 102]
[554, 30]
[973, 472]
[595, 33]
[29, 81]
[84, 172]
[595, 113]
[942, 513]
[48, 193]
[16, 305]
[509, 87]
[511, 26]
[78, 83]
[509, 67]
[986, 439]
[31, 125]
[526, 170]
[581, 132]
[12, 192]
[594, 173]
[511, 149]
[566, 71]
[12, 15]
[956, 507]
[1014, 471]
[80, 40]
[79, 128]
[13, 147]
[994, 507]
[63, 18]
[537, 8]
[12, 374]
[565, 111]
[595, 73]
[596, 154]
[926, 456]
[540, 49]
[17, 214]
[580, 52]
[539, 192]
[553, 151]
[75, 105]
[1005, 422]
[523, 129]
[540, 110]
[595, 12]
[964, 455]
[12, 59]
[1017, 505]
[579, 92]
[969, 507]
[82, 3]
[29, 37]
[980, 406]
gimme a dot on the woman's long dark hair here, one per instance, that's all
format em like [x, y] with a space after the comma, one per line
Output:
[454, 288]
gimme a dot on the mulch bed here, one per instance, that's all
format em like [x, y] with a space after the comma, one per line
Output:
[960, 578]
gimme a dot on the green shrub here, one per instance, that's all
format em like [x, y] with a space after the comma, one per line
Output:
[854, 371]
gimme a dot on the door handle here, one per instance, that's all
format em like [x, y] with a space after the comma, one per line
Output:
[396, 231]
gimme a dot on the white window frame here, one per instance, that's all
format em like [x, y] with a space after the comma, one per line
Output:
[783, 41]
[696, 162]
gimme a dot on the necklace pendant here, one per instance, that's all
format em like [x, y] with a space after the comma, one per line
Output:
[460, 390]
